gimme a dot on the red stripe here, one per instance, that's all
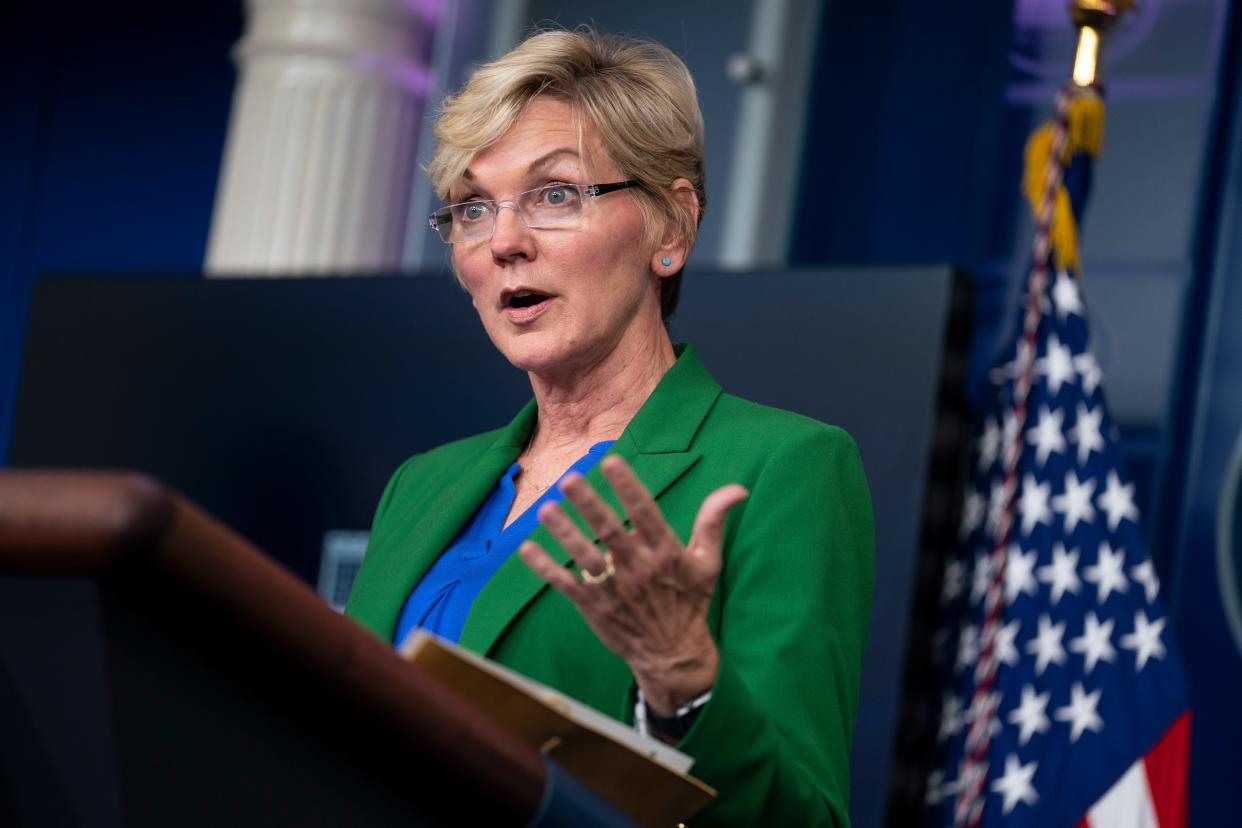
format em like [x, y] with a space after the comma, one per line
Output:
[1082, 823]
[1168, 766]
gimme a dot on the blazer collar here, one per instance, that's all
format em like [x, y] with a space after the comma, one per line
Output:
[422, 529]
[658, 445]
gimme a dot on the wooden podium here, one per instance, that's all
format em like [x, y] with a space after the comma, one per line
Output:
[156, 669]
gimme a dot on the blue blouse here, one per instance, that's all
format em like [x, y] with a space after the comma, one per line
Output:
[442, 599]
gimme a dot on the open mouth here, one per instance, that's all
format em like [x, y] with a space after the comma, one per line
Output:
[527, 299]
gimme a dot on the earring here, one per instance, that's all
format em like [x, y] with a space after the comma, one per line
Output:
[666, 261]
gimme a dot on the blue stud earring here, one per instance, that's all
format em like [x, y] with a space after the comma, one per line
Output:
[666, 261]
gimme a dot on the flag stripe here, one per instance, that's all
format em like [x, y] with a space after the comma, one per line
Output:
[1127, 803]
[1166, 773]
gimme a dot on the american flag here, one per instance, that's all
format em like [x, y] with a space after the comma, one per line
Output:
[1064, 702]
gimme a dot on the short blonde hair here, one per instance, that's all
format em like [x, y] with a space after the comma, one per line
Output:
[638, 96]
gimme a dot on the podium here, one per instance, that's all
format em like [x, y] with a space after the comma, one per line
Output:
[157, 669]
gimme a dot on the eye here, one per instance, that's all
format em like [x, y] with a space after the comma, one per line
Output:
[558, 195]
[471, 210]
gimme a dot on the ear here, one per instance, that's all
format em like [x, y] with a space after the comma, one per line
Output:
[670, 257]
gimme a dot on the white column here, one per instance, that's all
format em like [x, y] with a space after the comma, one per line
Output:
[768, 142]
[317, 164]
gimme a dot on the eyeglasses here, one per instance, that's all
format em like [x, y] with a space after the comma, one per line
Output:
[552, 207]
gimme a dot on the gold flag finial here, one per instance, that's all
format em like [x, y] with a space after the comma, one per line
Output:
[1093, 18]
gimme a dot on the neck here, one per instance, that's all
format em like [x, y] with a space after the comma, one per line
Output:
[596, 401]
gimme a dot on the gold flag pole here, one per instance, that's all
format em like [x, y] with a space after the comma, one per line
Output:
[1094, 19]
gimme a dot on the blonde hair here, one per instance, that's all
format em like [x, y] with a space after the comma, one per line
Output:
[638, 96]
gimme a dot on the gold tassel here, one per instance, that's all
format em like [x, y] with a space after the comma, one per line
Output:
[1085, 134]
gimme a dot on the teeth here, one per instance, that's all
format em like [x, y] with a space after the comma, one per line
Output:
[522, 294]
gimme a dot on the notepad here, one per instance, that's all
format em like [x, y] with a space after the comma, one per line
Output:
[643, 777]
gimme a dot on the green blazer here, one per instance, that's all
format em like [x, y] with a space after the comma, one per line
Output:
[790, 611]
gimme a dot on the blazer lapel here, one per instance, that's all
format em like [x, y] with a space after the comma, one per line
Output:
[427, 527]
[658, 444]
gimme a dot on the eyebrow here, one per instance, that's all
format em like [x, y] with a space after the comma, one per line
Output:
[542, 161]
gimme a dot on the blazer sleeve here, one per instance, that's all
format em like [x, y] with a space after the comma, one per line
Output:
[794, 601]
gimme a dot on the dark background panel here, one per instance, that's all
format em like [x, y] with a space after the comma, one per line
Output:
[283, 405]
[280, 405]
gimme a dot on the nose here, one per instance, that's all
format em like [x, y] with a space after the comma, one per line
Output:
[511, 238]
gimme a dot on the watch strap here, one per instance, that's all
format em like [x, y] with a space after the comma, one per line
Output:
[675, 726]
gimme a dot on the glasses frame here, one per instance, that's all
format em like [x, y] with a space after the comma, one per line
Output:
[443, 218]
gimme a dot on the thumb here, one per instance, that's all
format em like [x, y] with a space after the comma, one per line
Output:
[709, 524]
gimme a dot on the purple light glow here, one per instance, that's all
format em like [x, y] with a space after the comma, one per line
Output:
[1044, 38]
[414, 78]
[429, 10]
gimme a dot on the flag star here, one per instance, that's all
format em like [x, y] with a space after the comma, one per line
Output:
[971, 778]
[996, 506]
[1033, 503]
[1031, 715]
[1065, 296]
[1001, 373]
[1118, 501]
[967, 646]
[1086, 433]
[1095, 643]
[1075, 504]
[1047, 437]
[973, 510]
[954, 581]
[982, 578]
[1145, 640]
[935, 787]
[1145, 574]
[989, 444]
[1003, 638]
[983, 709]
[1062, 573]
[1087, 367]
[1080, 712]
[1046, 645]
[1019, 573]
[1015, 786]
[950, 718]
[1010, 429]
[954, 786]
[1057, 364]
[1006, 652]
[1108, 573]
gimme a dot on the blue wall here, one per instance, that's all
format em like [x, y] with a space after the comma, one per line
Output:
[1206, 437]
[112, 142]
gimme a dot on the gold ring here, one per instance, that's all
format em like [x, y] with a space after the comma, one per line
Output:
[610, 569]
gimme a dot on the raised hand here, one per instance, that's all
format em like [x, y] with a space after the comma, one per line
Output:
[644, 594]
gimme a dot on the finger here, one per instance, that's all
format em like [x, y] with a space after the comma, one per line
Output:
[640, 506]
[585, 553]
[599, 515]
[709, 524]
[557, 576]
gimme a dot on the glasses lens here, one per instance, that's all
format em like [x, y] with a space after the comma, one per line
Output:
[442, 222]
[556, 205]
[471, 220]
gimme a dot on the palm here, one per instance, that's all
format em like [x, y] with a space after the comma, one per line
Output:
[650, 599]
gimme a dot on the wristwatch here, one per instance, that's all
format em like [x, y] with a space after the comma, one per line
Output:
[651, 723]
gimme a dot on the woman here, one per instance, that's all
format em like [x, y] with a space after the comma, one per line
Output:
[711, 577]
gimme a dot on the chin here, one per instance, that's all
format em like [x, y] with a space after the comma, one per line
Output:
[533, 351]
[544, 351]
